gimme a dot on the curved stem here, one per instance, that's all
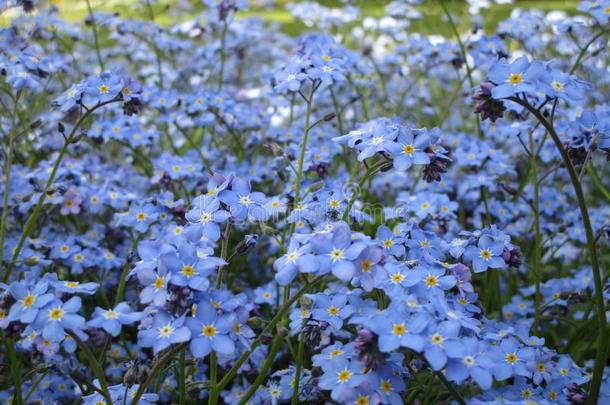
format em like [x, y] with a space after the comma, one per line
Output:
[275, 347]
[369, 173]
[95, 365]
[223, 41]
[464, 56]
[15, 370]
[602, 341]
[304, 146]
[156, 368]
[95, 37]
[299, 365]
[215, 391]
[584, 49]
[7, 175]
[31, 221]
[537, 235]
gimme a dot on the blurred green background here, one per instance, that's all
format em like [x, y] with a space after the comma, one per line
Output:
[170, 11]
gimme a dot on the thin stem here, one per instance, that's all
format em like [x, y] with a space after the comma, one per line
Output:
[95, 365]
[299, 366]
[464, 56]
[95, 37]
[537, 235]
[223, 253]
[182, 377]
[31, 221]
[370, 172]
[584, 49]
[262, 374]
[303, 146]
[7, 175]
[223, 41]
[602, 342]
[216, 388]
[156, 369]
[15, 371]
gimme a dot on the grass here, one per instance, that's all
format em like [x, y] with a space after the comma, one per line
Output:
[431, 23]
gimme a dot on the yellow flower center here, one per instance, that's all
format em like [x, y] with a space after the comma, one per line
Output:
[540, 367]
[159, 283]
[28, 301]
[431, 281]
[399, 329]
[140, 216]
[362, 400]
[336, 254]
[388, 243]
[408, 149]
[166, 331]
[397, 278]
[333, 311]
[188, 270]
[56, 314]
[386, 386]
[485, 254]
[103, 89]
[111, 314]
[515, 78]
[366, 266]
[344, 375]
[511, 358]
[208, 331]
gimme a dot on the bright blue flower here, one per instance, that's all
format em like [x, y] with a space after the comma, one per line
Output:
[210, 332]
[111, 320]
[57, 316]
[397, 328]
[29, 300]
[519, 76]
[487, 254]
[206, 212]
[243, 203]
[164, 332]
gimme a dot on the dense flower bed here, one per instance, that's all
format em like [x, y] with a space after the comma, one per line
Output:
[218, 212]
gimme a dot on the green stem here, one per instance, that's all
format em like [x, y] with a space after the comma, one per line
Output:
[95, 37]
[216, 388]
[304, 146]
[598, 182]
[182, 377]
[369, 173]
[537, 235]
[15, 371]
[223, 41]
[98, 371]
[7, 175]
[299, 365]
[31, 221]
[584, 49]
[156, 369]
[602, 342]
[262, 375]
[464, 55]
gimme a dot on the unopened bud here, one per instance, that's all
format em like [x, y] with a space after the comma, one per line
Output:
[330, 116]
